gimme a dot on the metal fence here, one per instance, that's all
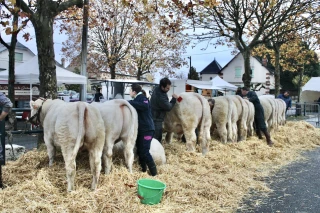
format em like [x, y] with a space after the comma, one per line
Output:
[309, 112]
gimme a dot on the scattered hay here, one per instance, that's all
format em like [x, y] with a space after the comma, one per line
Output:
[214, 183]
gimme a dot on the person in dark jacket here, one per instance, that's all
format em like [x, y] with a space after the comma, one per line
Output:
[145, 129]
[258, 115]
[160, 105]
[6, 105]
[286, 98]
[98, 95]
[238, 92]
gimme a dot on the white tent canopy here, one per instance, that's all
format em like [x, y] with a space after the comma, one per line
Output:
[202, 84]
[312, 85]
[216, 83]
[311, 90]
[28, 73]
[222, 84]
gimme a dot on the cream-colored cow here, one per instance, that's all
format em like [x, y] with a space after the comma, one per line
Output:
[120, 123]
[71, 126]
[190, 112]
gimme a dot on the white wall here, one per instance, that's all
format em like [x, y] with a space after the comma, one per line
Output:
[309, 96]
[177, 86]
[4, 58]
[206, 77]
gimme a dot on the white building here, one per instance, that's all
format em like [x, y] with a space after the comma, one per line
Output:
[233, 71]
[22, 54]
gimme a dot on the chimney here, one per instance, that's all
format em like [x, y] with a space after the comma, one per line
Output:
[63, 62]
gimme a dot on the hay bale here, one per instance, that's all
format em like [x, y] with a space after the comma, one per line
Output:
[214, 183]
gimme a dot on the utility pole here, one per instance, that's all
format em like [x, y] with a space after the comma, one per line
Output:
[83, 87]
[189, 76]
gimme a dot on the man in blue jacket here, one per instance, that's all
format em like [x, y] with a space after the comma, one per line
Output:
[145, 129]
[286, 98]
[160, 105]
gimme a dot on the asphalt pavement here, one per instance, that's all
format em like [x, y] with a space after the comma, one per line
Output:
[295, 189]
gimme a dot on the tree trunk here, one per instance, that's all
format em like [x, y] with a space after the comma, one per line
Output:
[246, 77]
[46, 57]
[276, 49]
[300, 82]
[113, 71]
[11, 69]
[139, 73]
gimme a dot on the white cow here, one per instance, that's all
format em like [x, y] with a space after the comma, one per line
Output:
[268, 107]
[156, 150]
[120, 123]
[242, 109]
[71, 126]
[190, 112]
[250, 119]
[282, 111]
[224, 118]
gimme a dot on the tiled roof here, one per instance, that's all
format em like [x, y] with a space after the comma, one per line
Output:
[213, 68]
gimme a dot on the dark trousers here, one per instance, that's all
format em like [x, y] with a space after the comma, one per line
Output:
[158, 130]
[143, 146]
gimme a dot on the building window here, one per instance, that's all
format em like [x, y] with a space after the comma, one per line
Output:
[238, 72]
[252, 72]
[18, 56]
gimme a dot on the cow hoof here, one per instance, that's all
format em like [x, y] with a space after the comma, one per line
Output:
[204, 152]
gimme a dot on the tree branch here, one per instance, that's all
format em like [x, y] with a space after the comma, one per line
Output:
[65, 5]
[23, 5]
[4, 43]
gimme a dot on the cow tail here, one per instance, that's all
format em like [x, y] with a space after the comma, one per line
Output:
[229, 122]
[81, 108]
[134, 120]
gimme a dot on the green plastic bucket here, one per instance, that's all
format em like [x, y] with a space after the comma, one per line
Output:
[150, 191]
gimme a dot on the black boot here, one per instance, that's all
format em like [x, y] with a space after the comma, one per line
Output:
[268, 138]
[152, 168]
[143, 165]
[259, 134]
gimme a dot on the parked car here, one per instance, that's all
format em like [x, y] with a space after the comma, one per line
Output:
[67, 92]
[75, 97]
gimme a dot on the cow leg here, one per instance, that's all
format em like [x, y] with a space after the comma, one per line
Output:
[168, 138]
[205, 143]
[191, 139]
[70, 167]
[128, 152]
[245, 129]
[222, 130]
[51, 149]
[107, 156]
[95, 165]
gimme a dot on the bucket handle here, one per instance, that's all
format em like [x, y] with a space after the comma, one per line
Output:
[142, 198]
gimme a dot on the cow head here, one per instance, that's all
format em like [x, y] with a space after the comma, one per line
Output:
[35, 111]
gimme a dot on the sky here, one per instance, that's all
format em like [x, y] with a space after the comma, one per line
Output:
[199, 58]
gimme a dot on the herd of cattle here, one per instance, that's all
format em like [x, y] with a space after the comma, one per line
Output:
[105, 128]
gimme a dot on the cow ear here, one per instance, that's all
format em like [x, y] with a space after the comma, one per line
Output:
[33, 105]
